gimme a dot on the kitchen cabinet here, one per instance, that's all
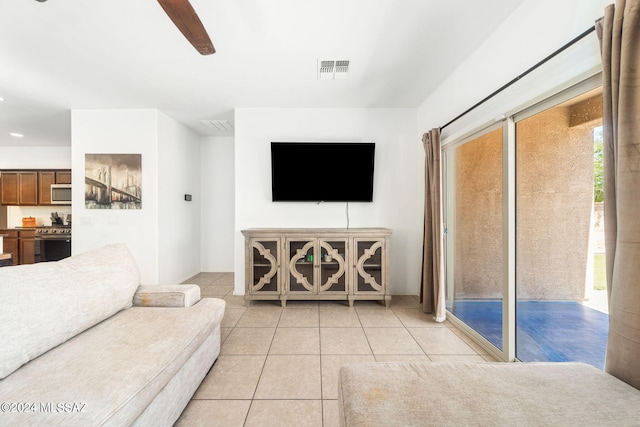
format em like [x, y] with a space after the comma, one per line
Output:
[19, 188]
[30, 188]
[317, 264]
[48, 177]
[27, 246]
[21, 244]
[10, 244]
[9, 188]
[63, 177]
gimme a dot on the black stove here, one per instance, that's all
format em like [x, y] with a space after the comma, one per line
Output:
[53, 243]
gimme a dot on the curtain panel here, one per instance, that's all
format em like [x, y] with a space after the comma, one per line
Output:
[432, 295]
[619, 34]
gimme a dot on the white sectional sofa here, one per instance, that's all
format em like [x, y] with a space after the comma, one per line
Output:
[484, 394]
[83, 344]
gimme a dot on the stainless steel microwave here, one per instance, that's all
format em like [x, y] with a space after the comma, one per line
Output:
[60, 194]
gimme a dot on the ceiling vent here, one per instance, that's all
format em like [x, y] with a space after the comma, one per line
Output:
[333, 69]
[218, 125]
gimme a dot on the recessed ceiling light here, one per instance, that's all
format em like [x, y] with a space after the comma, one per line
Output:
[16, 134]
[1, 99]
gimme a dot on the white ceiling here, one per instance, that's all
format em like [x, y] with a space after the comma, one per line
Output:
[85, 54]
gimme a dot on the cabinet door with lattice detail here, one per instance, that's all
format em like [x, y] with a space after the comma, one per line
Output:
[265, 271]
[369, 266]
[333, 266]
[301, 255]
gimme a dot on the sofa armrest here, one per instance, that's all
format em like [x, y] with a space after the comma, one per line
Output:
[166, 296]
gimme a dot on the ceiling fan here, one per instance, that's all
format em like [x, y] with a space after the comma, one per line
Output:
[186, 19]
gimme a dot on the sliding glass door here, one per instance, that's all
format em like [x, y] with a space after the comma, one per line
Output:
[556, 234]
[523, 232]
[475, 282]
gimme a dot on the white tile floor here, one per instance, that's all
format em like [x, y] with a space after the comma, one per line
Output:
[279, 367]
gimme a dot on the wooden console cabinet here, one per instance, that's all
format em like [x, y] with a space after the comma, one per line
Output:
[317, 264]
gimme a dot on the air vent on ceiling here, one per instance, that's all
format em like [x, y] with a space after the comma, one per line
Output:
[325, 70]
[333, 69]
[219, 125]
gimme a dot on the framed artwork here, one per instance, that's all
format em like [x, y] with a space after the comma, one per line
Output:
[113, 181]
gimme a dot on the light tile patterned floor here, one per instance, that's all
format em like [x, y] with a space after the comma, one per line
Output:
[279, 367]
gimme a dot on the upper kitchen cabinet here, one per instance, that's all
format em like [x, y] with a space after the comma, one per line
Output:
[30, 188]
[45, 179]
[63, 177]
[19, 188]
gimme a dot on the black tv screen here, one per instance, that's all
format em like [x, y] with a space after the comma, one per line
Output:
[322, 171]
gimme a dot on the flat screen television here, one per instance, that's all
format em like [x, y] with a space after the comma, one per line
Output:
[322, 171]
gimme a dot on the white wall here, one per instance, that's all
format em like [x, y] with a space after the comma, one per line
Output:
[218, 203]
[35, 157]
[398, 180]
[535, 30]
[118, 132]
[179, 233]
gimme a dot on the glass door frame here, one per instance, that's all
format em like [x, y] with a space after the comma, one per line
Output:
[508, 125]
[508, 235]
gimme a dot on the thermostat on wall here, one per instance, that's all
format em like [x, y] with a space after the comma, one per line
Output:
[187, 197]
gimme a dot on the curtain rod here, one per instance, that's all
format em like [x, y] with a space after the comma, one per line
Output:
[545, 60]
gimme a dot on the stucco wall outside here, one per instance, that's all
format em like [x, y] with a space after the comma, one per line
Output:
[554, 200]
[554, 197]
[478, 217]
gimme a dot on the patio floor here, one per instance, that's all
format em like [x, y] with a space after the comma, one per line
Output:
[546, 331]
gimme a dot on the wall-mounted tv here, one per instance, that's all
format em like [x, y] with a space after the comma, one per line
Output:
[322, 171]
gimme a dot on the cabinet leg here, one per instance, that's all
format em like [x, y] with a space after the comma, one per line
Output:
[283, 302]
[387, 301]
[351, 299]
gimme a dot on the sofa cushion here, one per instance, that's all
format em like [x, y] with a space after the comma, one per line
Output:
[114, 370]
[484, 394]
[166, 295]
[43, 305]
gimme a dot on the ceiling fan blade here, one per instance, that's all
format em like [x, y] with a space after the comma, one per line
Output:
[186, 19]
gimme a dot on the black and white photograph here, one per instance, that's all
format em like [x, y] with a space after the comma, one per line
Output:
[113, 181]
